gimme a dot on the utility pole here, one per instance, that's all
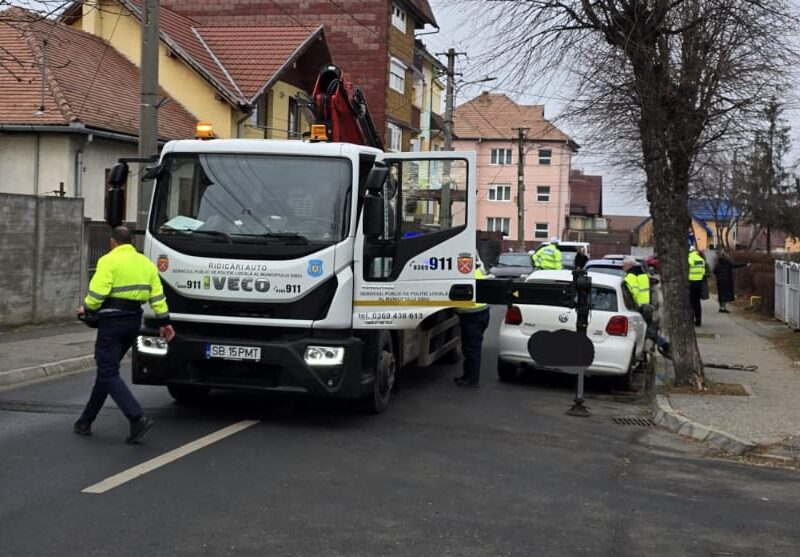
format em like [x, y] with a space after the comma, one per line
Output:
[522, 135]
[148, 112]
[450, 98]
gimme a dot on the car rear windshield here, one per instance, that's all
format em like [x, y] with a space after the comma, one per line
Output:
[514, 260]
[616, 271]
[603, 299]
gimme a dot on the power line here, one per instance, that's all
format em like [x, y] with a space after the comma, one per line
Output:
[285, 12]
[100, 63]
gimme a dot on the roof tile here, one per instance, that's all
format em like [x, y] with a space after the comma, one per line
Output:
[86, 81]
[492, 116]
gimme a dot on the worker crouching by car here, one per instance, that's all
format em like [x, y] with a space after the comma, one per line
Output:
[638, 282]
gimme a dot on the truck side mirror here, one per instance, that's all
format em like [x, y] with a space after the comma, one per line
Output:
[119, 174]
[115, 206]
[377, 177]
[373, 216]
[152, 172]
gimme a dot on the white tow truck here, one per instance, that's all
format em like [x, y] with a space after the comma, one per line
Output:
[321, 267]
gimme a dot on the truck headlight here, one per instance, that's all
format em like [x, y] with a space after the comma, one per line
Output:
[153, 346]
[324, 356]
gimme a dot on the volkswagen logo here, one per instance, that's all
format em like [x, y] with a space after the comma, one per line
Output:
[563, 317]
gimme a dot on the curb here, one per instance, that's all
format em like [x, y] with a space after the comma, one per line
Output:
[25, 374]
[666, 416]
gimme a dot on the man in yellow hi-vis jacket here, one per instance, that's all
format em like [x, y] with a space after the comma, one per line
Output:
[123, 281]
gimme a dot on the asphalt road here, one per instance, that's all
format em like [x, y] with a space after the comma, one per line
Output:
[446, 472]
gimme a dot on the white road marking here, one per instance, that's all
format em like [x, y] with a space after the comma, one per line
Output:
[154, 463]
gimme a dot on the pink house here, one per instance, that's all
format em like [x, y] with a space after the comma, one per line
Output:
[487, 125]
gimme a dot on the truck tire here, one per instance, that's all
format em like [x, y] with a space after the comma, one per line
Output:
[506, 371]
[385, 373]
[188, 394]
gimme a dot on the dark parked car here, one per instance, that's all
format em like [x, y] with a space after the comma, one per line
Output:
[512, 265]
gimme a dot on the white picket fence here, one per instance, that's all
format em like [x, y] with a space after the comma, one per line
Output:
[787, 293]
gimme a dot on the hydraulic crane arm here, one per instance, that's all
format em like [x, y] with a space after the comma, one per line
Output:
[343, 109]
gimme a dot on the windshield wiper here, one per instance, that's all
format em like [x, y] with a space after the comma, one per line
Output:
[291, 238]
[215, 233]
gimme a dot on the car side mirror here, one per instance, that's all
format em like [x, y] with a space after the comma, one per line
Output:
[376, 177]
[373, 216]
[115, 206]
[152, 172]
[119, 174]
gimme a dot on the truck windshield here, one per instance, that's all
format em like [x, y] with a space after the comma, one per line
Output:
[247, 198]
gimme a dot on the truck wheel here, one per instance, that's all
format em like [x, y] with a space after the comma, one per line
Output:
[506, 371]
[385, 373]
[188, 394]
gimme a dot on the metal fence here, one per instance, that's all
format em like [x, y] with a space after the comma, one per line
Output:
[97, 235]
[787, 293]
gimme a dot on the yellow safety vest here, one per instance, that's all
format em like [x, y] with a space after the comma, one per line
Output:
[644, 289]
[639, 285]
[474, 306]
[549, 257]
[125, 274]
[697, 267]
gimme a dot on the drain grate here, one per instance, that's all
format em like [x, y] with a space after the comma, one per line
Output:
[638, 421]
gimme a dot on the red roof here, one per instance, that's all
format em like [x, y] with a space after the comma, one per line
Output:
[86, 81]
[239, 61]
[492, 116]
[253, 56]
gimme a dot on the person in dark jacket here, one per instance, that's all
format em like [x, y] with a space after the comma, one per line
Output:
[723, 270]
[581, 258]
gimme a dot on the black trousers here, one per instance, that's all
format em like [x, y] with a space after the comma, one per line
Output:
[695, 295]
[472, 327]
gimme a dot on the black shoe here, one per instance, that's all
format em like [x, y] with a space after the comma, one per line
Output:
[724, 311]
[470, 384]
[82, 428]
[138, 429]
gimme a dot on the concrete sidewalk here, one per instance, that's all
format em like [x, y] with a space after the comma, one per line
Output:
[766, 421]
[39, 351]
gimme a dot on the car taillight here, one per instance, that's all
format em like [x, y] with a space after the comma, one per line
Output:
[617, 326]
[513, 315]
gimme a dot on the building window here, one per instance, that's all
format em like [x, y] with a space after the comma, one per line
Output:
[397, 75]
[499, 192]
[545, 156]
[543, 194]
[395, 137]
[542, 231]
[501, 156]
[398, 17]
[293, 131]
[498, 224]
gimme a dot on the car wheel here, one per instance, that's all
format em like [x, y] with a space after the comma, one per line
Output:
[385, 373]
[625, 382]
[188, 394]
[506, 371]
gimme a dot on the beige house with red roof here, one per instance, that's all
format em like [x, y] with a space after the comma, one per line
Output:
[242, 79]
[486, 124]
[69, 108]
[83, 71]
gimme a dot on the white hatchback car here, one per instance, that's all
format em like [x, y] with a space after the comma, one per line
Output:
[616, 328]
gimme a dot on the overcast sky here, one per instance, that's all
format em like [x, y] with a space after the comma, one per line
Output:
[622, 194]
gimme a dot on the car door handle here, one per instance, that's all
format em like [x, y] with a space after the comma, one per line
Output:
[461, 292]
